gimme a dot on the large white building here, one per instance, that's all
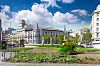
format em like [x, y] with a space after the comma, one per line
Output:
[95, 28]
[0, 31]
[34, 36]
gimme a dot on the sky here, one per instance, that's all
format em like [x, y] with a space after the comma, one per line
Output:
[47, 13]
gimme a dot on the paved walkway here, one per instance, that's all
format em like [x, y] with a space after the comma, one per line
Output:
[43, 64]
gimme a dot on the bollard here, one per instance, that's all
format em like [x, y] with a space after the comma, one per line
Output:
[10, 54]
[4, 55]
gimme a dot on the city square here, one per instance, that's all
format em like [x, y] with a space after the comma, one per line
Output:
[49, 32]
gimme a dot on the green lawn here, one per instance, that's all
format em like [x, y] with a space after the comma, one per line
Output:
[87, 49]
[16, 49]
[77, 49]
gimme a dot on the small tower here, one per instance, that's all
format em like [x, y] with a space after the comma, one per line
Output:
[64, 33]
[23, 23]
[37, 26]
[0, 31]
[64, 29]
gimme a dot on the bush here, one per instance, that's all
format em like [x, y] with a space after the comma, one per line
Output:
[2, 46]
[68, 47]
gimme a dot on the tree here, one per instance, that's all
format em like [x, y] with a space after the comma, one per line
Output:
[21, 43]
[77, 38]
[86, 37]
[55, 39]
[47, 38]
[61, 38]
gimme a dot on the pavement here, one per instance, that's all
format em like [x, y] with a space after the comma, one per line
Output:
[43, 64]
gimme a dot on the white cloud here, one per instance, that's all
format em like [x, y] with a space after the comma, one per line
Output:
[53, 3]
[39, 14]
[65, 18]
[5, 8]
[48, 3]
[81, 12]
[67, 1]
[3, 16]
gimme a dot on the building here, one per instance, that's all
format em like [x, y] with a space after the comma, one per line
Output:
[0, 31]
[6, 36]
[34, 36]
[95, 27]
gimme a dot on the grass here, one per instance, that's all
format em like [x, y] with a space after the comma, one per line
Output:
[77, 49]
[87, 49]
[16, 49]
[49, 47]
[53, 48]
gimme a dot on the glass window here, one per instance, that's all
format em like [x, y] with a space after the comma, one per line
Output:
[97, 34]
[97, 19]
[97, 24]
[97, 14]
[97, 29]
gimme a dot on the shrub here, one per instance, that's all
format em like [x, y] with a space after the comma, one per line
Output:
[69, 46]
[2, 46]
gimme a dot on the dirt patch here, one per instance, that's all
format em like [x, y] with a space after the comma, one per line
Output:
[43, 50]
[96, 56]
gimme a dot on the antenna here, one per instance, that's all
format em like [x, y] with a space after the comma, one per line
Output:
[64, 29]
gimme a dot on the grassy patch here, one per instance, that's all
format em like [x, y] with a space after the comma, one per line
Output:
[16, 49]
[86, 49]
[52, 47]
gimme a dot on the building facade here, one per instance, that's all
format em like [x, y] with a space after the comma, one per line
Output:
[95, 27]
[33, 36]
[0, 31]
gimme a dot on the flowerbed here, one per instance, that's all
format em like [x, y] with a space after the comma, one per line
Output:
[45, 58]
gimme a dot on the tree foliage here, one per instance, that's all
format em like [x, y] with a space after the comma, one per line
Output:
[86, 37]
[47, 38]
[69, 46]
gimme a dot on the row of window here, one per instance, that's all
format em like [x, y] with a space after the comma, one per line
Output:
[97, 34]
[97, 14]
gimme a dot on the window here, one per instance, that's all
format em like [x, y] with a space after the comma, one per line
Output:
[97, 19]
[97, 29]
[97, 14]
[97, 24]
[97, 34]
[97, 40]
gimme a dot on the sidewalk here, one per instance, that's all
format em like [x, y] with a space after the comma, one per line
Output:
[43, 64]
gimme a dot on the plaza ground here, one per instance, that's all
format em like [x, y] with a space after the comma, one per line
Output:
[43, 64]
[88, 52]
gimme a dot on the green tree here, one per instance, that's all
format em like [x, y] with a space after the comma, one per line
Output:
[47, 38]
[21, 44]
[86, 37]
[61, 38]
[55, 39]
[76, 40]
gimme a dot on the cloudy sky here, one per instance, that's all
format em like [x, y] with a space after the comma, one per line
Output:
[56, 13]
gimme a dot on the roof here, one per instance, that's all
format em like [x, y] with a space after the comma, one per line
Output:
[50, 28]
[97, 9]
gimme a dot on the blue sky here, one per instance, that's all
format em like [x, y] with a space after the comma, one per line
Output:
[55, 13]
